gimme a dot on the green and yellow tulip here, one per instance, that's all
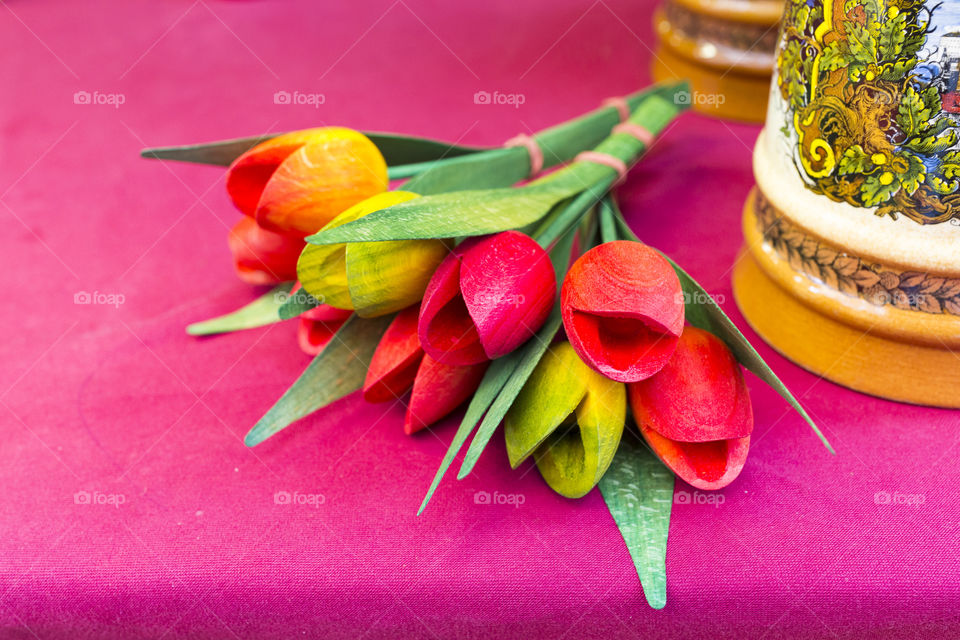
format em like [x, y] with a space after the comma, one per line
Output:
[570, 418]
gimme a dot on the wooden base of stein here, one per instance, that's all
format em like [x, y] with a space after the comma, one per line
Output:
[724, 48]
[851, 321]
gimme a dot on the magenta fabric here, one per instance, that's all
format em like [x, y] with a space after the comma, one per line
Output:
[130, 507]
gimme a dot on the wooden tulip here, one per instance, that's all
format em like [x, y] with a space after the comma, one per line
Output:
[438, 389]
[399, 364]
[486, 298]
[570, 418]
[372, 278]
[300, 181]
[695, 413]
[395, 362]
[261, 256]
[622, 309]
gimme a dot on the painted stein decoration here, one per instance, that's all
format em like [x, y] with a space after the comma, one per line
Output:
[724, 47]
[852, 259]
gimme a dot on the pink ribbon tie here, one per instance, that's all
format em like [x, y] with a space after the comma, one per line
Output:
[620, 105]
[639, 132]
[606, 160]
[533, 150]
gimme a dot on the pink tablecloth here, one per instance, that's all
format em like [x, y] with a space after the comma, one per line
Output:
[130, 507]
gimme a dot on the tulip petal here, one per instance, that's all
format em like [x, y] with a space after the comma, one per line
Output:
[550, 397]
[261, 256]
[322, 269]
[395, 362]
[250, 172]
[384, 277]
[623, 310]
[699, 396]
[326, 313]
[704, 465]
[314, 335]
[334, 170]
[439, 389]
[573, 462]
[447, 332]
[508, 285]
[570, 418]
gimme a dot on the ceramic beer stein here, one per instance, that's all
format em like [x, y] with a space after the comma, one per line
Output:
[851, 265]
[724, 47]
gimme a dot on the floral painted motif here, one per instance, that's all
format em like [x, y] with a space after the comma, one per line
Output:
[867, 96]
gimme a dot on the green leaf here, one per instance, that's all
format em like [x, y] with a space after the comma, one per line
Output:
[259, 313]
[928, 144]
[912, 114]
[496, 376]
[530, 355]
[915, 174]
[456, 214]
[335, 372]
[507, 166]
[854, 160]
[608, 223]
[396, 149]
[638, 491]
[875, 192]
[297, 303]
[863, 47]
[892, 36]
[834, 56]
[560, 254]
[704, 313]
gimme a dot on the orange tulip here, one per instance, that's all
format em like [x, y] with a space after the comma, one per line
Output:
[300, 181]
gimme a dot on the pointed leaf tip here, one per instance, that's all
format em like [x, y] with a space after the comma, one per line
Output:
[638, 490]
[335, 372]
[259, 313]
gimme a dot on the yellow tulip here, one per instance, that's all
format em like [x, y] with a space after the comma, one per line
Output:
[373, 278]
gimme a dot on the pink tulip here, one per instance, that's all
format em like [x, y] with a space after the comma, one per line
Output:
[486, 298]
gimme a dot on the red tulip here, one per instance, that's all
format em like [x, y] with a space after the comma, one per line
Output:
[399, 363]
[695, 413]
[486, 298]
[439, 389]
[318, 325]
[300, 181]
[622, 309]
[395, 362]
[261, 256]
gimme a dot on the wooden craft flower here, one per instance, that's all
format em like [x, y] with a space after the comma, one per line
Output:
[372, 278]
[570, 418]
[300, 181]
[695, 413]
[622, 309]
[399, 363]
[261, 256]
[486, 298]
[318, 326]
